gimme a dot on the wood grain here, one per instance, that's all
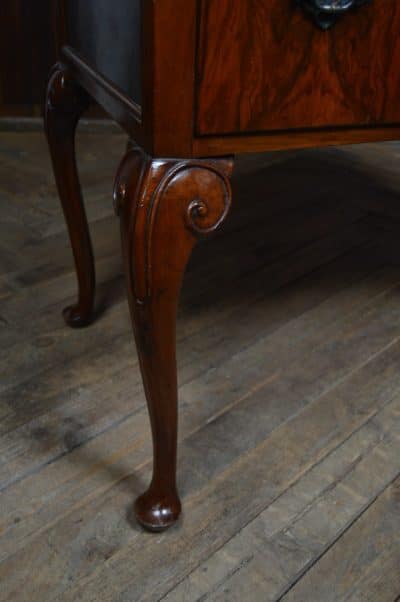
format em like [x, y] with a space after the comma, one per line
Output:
[289, 323]
[265, 66]
[165, 208]
[294, 532]
[224, 77]
[364, 563]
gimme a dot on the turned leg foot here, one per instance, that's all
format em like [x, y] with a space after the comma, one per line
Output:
[65, 103]
[165, 206]
[156, 511]
[78, 316]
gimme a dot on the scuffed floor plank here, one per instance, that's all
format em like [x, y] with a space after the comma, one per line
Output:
[364, 564]
[289, 347]
[293, 532]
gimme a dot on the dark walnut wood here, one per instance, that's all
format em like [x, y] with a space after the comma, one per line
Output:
[65, 103]
[217, 78]
[165, 207]
[267, 66]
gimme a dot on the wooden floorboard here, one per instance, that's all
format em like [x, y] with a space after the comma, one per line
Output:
[293, 532]
[289, 348]
[364, 563]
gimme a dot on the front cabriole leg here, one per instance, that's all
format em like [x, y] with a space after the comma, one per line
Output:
[165, 207]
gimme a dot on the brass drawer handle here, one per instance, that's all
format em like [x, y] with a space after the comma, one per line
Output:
[327, 12]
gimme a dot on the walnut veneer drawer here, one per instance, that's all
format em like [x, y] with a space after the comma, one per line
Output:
[264, 65]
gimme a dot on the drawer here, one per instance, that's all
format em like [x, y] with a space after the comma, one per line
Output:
[265, 65]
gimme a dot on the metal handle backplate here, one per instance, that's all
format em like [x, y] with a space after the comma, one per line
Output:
[326, 12]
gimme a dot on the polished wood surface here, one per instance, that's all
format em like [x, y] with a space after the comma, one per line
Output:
[165, 206]
[187, 83]
[275, 70]
[66, 102]
[266, 66]
[288, 346]
[222, 145]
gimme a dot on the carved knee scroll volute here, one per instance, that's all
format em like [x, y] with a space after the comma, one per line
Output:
[168, 205]
[165, 206]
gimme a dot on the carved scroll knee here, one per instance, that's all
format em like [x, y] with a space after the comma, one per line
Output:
[165, 207]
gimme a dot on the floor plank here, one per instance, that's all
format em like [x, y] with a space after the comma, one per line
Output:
[364, 563]
[295, 530]
[289, 346]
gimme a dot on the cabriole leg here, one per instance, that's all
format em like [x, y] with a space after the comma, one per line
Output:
[65, 103]
[165, 207]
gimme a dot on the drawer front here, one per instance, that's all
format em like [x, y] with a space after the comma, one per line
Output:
[264, 65]
[107, 35]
